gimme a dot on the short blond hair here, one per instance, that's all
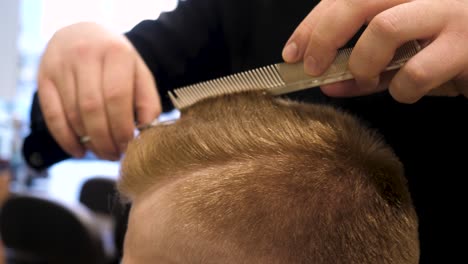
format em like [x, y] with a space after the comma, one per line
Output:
[303, 183]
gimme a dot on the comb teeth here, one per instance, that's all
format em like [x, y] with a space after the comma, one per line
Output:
[279, 78]
[263, 78]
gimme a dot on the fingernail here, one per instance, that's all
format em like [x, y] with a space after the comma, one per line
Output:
[290, 52]
[312, 67]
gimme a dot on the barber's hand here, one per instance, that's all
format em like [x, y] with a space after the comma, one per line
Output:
[92, 82]
[440, 25]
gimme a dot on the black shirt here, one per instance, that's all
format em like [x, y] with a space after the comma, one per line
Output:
[204, 39]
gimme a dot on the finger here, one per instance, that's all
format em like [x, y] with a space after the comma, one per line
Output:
[118, 74]
[350, 88]
[337, 25]
[87, 72]
[68, 96]
[388, 31]
[147, 102]
[460, 83]
[291, 52]
[425, 71]
[51, 106]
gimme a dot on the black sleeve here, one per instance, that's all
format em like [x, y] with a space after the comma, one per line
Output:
[39, 149]
[183, 46]
[180, 47]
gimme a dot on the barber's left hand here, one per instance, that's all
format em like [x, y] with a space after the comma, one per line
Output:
[441, 26]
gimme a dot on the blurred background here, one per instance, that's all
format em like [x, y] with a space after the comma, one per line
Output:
[25, 28]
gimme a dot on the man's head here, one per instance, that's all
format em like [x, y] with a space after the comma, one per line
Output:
[252, 179]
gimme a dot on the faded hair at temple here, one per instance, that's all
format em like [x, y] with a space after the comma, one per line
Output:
[249, 178]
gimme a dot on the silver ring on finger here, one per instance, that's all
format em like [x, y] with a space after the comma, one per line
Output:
[84, 139]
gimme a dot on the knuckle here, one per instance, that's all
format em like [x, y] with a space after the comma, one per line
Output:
[385, 24]
[114, 95]
[356, 3]
[359, 72]
[52, 116]
[417, 76]
[305, 27]
[74, 117]
[320, 41]
[362, 8]
[90, 106]
[116, 46]
[51, 65]
[362, 64]
[82, 48]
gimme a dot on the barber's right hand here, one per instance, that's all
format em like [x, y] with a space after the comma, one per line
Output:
[92, 82]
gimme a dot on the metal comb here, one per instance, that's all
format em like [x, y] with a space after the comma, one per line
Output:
[279, 78]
